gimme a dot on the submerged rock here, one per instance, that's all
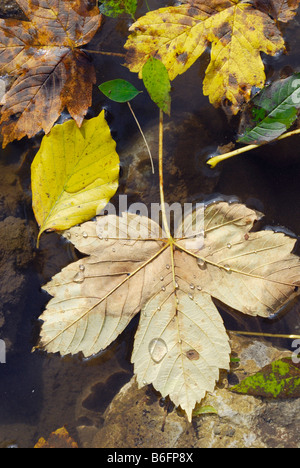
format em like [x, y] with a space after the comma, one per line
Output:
[186, 176]
[16, 253]
[136, 418]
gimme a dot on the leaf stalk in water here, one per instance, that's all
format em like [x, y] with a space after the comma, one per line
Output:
[212, 162]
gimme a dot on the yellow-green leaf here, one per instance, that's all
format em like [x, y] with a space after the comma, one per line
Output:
[74, 174]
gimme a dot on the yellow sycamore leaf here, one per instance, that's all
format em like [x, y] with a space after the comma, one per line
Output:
[179, 35]
[74, 174]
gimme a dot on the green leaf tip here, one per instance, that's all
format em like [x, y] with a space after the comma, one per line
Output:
[156, 81]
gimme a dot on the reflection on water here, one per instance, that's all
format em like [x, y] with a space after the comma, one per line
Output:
[40, 392]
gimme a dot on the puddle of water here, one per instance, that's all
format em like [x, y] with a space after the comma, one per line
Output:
[40, 393]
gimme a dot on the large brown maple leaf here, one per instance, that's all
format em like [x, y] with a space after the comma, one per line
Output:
[51, 72]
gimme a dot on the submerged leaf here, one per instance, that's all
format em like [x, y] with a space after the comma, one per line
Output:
[130, 266]
[74, 174]
[280, 379]
[272, 112]
[179, 35]
[115, 8]
[51, 71]
[198, 411]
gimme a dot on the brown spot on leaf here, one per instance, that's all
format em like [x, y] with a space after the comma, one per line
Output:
[232, 80]
[182, 57]
[192, 355]
[224, 33]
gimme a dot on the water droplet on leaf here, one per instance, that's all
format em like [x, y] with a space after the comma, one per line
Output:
[157, 349]
[79, 277]
[201, 264]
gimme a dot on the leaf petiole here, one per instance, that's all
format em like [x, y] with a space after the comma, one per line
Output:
[212, 162]
[161, 177]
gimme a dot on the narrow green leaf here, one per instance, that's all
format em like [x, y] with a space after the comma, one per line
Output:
[115, 8]
[272, 112]
[204, 410]
[157, 83]
[280, 379]
[119, 90]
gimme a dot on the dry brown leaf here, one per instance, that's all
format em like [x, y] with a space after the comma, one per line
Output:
[51, 72]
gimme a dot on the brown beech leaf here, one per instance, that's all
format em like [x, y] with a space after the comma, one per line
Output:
[51, 72]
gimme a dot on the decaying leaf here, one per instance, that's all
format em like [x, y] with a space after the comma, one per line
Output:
[57, 439]
[280, 379]
[74, 174]
[51, 72]
[131, 266]
[179, 35]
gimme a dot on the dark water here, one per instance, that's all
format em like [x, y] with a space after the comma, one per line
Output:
[39, 392]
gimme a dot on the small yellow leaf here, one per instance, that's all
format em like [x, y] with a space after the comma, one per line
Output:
[74, 174]
[58, 439]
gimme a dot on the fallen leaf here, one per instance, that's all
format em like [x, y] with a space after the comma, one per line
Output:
[57, 439]
[271, 112]
[179, 35]
[74, 174]
[130, 266]
[51, 71]
[280, 379]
